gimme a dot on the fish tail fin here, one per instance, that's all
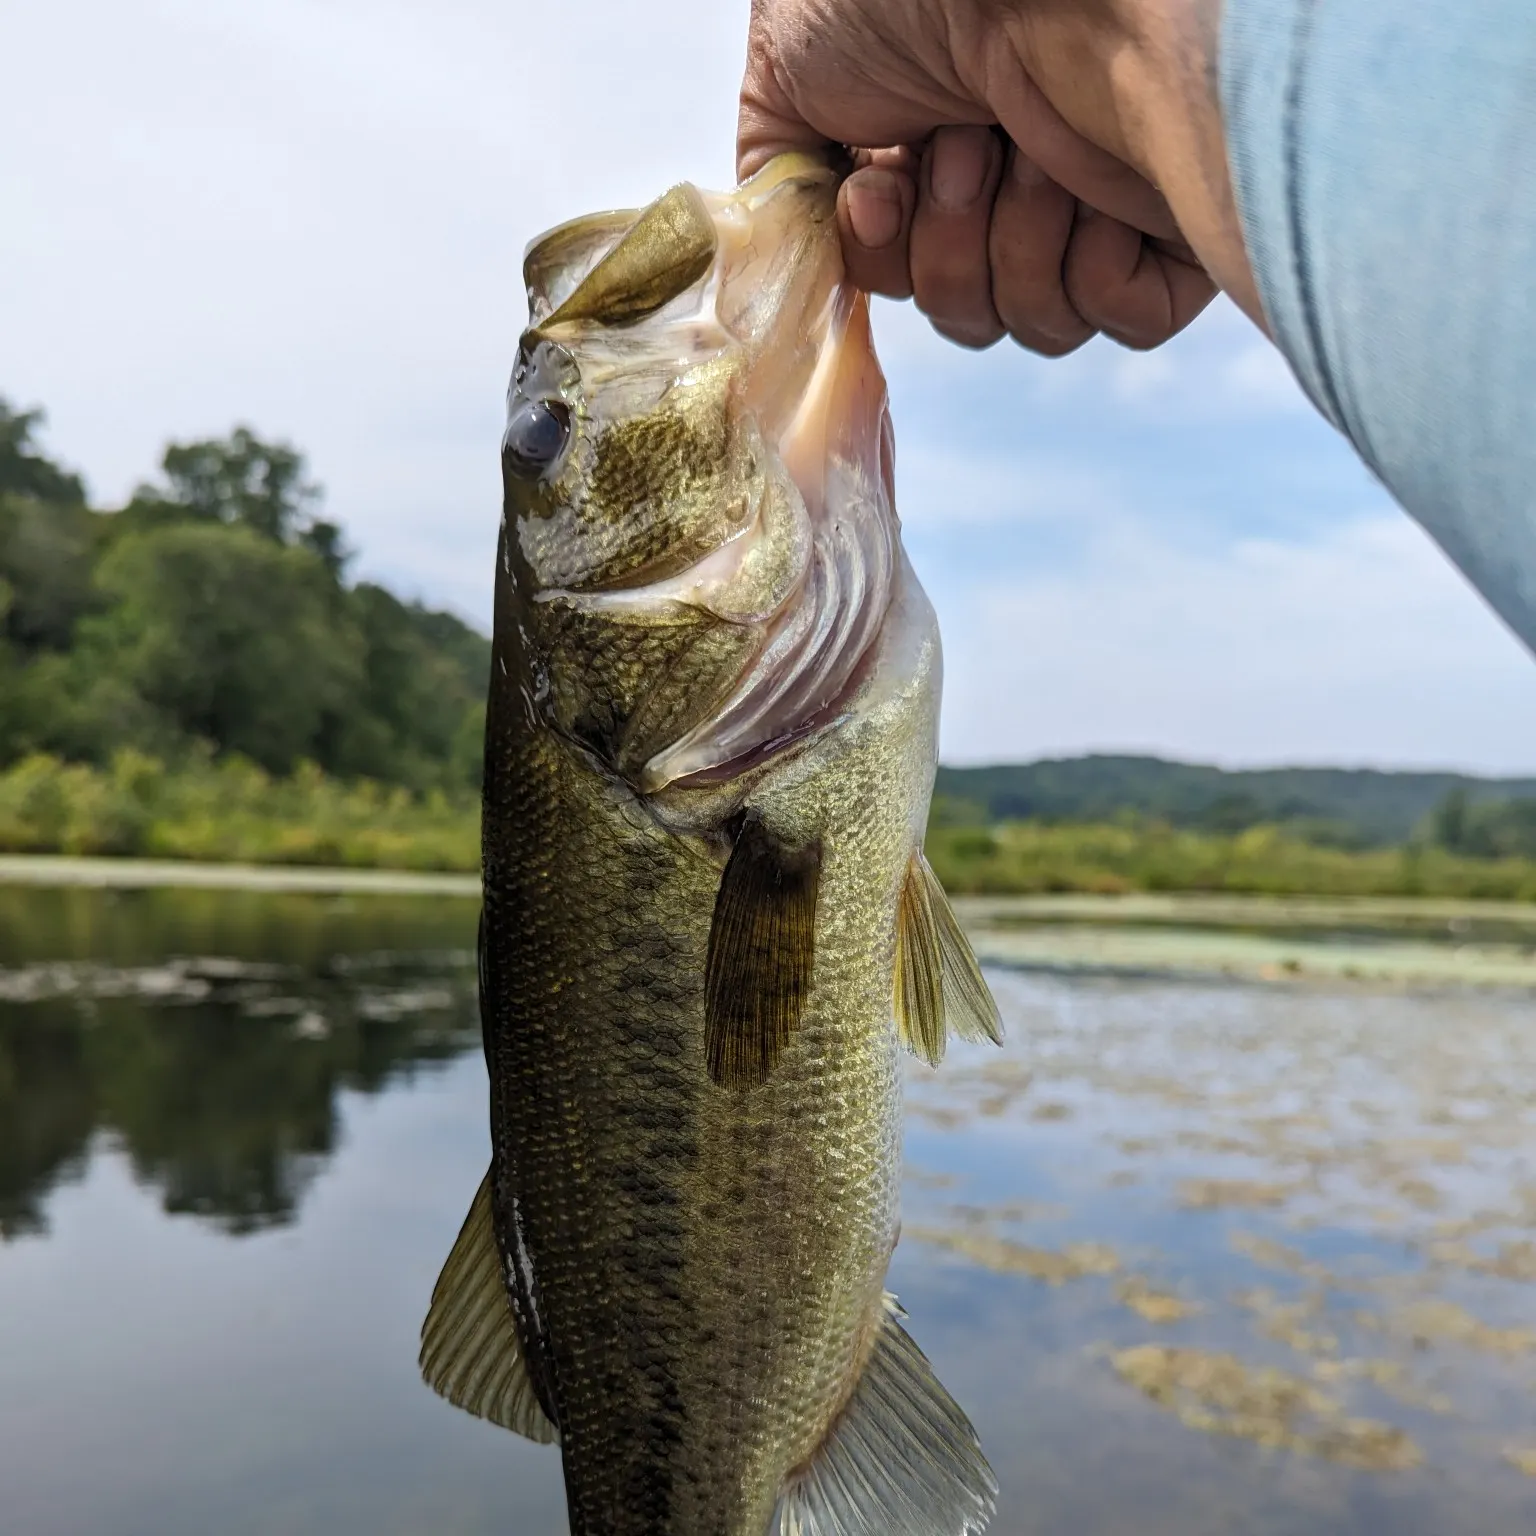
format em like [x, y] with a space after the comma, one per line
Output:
[902, 1460]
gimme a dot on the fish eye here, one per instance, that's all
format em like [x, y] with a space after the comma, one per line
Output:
[535, 437]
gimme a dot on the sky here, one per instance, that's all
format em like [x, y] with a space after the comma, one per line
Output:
[308, 216]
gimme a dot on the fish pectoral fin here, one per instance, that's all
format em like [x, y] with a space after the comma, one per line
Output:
[901, 1460]
[469, 1349]
[762, 941]
[939, 985]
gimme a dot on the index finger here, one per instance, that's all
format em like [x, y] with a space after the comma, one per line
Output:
[768, 122]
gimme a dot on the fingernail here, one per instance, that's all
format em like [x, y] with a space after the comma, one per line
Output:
[874, 208]
[957, 168]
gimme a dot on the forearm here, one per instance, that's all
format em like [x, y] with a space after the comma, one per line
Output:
[1388, 196]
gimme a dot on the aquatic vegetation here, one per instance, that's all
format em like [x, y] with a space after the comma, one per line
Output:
[1151, 1304]
[1052, 1266]
[1434, 1320]
[1285, 1321]
[1270, 1254]
[1213, 1194]
[1050, 1111]
[1391, 1377]
[1522, 1459]
[1219, 1394]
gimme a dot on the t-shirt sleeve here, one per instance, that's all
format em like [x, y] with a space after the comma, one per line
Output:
[1383, 155]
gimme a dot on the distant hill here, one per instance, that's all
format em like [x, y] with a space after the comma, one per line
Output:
[1349, 806]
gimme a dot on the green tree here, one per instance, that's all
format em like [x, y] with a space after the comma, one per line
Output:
[1502, 829]
[425, 676]
[244, 482]
[213, 608]
[23, 470]
[1449, 824]
[231, 638]
[47, 550]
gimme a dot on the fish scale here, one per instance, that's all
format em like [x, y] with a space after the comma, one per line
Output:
[653, 1195]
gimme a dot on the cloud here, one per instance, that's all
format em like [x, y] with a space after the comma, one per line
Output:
[1364, 646]
[309, 216]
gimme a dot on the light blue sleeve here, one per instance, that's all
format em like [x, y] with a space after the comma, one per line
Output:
[1383, 154]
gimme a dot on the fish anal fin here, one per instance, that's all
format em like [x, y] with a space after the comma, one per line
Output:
[901, 1460]
[470, 1353]
[762, 943]
[939, 986]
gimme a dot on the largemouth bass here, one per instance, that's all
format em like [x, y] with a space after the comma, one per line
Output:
[708, 926]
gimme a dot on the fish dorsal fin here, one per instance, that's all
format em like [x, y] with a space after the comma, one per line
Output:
[902, 1460]
[469, 1349]
[667, 249]
[939, 986]
[761, 943]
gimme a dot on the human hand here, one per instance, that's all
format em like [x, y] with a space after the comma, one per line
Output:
[1049, 234]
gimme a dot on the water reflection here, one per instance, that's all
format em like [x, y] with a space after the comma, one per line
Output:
[215, 1074]
[1205, 1259]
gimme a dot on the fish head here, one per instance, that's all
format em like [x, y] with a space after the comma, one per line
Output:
[699, 529]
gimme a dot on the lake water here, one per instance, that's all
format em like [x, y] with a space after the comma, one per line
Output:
[1197, 1258]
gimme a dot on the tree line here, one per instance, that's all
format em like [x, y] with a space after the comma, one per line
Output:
[213, 614]
[1352, 810]
[212, 619]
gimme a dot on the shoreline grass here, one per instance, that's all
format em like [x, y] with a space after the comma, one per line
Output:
[229, 812]
[1029, 858]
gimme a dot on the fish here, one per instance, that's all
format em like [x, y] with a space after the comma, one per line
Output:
[708, 930]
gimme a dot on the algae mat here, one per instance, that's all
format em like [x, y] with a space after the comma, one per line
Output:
[1287, 940]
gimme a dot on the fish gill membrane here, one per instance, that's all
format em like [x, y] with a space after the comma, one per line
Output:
[708, 925]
